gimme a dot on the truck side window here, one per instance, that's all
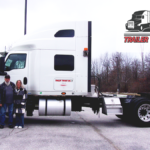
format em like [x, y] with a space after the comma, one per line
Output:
[15, 61]
[64, 62]
[65, 33]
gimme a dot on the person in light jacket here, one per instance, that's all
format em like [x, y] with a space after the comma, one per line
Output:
[20, 102]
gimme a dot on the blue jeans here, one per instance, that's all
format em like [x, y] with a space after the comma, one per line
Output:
[0, 115]
[20, 120]
[10, 112]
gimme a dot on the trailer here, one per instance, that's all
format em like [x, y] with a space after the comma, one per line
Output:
[54, 66]
[140, 21]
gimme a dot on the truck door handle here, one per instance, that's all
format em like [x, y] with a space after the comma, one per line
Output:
[25, 81]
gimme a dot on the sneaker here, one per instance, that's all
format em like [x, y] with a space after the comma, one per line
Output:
[11, 126]
[16, 127]
[1, 126]
[20, 127]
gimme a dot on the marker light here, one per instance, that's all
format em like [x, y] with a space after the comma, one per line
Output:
[85, 52]
[85, 49]
[63, 93]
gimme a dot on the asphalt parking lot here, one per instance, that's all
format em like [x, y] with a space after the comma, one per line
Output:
[82, 130]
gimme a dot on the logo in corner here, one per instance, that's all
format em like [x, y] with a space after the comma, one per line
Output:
[138, 27]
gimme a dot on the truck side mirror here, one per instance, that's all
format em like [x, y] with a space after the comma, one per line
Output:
[2, 65]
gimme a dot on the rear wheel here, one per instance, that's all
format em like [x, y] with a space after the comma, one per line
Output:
[141, 114]
[119, 116]
[123, 117]
[144, 112]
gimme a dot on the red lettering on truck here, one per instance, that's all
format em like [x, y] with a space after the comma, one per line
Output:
[136, 39]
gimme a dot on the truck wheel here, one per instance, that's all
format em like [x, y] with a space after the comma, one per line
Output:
[29, 113]
[119, 116]
[141, 112]
[141, 28]
[123, 117]
[30, 106]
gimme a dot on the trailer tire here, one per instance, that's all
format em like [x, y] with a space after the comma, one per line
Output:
[141, 112]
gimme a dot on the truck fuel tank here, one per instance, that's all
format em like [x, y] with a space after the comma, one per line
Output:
[53, 107]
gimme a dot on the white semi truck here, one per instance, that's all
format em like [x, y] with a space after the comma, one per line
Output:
[55, 68]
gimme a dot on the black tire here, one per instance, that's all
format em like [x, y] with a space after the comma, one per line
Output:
[30, 106]
[119, 116]
[141, 28]
[29, 113]
[141, 115]
[123, 117]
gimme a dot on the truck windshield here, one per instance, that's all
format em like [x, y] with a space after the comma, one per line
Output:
[15, 61]
[137, 16]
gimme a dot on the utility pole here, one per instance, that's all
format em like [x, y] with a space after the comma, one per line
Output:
[25, 19]
[118, 82]
[142, 56]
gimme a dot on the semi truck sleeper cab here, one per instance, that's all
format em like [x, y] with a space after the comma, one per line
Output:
[54, 65]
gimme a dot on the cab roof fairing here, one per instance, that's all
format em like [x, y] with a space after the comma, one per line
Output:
[139, 12]
[41, 38]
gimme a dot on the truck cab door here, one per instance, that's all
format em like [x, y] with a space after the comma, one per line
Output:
[16, 65]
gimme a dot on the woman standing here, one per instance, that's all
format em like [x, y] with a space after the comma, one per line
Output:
[20, 104]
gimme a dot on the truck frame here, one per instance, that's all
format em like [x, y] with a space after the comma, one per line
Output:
[54, 65]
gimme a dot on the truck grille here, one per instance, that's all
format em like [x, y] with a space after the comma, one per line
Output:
[130, 24]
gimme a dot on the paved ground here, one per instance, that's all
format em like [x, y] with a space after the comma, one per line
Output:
[82, 130]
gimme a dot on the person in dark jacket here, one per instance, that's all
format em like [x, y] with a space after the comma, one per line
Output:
[7, 93]
[0, 114]
[20, 104]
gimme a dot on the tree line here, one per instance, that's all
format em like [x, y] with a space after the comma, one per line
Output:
[122, 71]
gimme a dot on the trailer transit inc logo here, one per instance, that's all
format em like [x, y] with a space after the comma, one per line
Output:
[138, 27]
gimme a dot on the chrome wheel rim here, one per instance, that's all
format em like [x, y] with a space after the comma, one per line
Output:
[144, 112]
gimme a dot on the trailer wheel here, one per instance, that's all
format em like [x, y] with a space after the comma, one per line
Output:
[141, 112]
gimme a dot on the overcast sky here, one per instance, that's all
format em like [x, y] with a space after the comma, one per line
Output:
[108, 20]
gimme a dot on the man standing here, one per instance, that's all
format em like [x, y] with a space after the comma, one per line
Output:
[7, 92]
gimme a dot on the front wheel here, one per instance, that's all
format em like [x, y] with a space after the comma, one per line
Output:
[123, 117]
[141, 28]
